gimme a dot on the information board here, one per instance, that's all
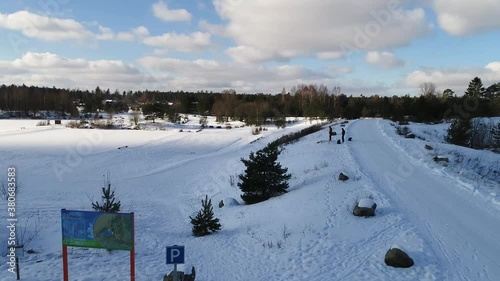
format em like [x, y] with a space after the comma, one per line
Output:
[112, 231]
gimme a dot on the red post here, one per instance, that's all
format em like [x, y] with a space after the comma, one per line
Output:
[65, 262]
[132, 253]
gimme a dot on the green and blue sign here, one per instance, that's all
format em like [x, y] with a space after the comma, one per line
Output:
[112, 231]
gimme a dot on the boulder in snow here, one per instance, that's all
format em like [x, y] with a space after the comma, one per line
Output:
[343, 177]
[349, 139]
[410, 136]
[397, 258]
[365, 208]
[428, 147]
[228, 202]
[182, 275]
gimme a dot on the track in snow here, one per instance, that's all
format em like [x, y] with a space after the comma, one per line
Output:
[461, 230]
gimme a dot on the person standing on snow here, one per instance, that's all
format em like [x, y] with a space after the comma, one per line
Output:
[343, 134]
[330, 133]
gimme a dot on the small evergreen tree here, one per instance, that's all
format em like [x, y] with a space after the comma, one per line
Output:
[204, 223]
[459, 132]
[108, 203]
[264, 177]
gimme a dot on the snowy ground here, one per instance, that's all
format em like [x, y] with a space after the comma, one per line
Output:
[306, 234]
[477, 171]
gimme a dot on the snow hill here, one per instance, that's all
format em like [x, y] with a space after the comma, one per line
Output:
[446, 218]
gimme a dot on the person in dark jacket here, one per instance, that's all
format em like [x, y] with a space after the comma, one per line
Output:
[330, 133]
[343, 134]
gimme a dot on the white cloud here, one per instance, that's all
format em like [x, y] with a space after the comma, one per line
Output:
[156, 73]
[162, 12]
[456, 79]
[125, 36]
[383, 59]
[286, 28]
[467, 17]
[47, 69]
[244, 77]
[494, 66]
[180, 42]
[106, 33]
[45, 61]
[50, 28]
[246, 54]
[159, 52]
[216, 29]
[140, 31]
[330, 55]
[43, 27]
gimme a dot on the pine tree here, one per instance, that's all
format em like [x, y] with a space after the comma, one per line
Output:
[459, 132]
[475, 88]
[263, 177]
[204, 223]
[108, 203]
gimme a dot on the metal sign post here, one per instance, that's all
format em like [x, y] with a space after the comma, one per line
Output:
[175, 256]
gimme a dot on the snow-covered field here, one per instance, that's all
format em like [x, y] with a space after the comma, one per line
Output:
[307, 234]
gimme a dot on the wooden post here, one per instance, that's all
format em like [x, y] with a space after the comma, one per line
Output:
[132, 252]
[65, 262]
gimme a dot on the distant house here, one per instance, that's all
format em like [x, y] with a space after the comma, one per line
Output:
[108, 102]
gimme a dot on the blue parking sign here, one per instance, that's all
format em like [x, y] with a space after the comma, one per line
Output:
[175, 254]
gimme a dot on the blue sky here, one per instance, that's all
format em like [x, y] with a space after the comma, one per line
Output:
[380, 47]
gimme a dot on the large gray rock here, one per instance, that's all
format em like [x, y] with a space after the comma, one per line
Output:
[230, 202]
[182, 276]
[364, 208]
[397, 258]
[343, 177]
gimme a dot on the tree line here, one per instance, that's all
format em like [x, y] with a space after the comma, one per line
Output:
[303, 100]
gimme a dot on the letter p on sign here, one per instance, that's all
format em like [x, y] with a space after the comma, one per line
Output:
[175, 254]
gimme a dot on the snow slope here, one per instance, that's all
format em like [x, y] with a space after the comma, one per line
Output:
[478, 171]
[307, 234]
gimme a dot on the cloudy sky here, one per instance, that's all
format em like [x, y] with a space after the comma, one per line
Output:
[366, 47]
